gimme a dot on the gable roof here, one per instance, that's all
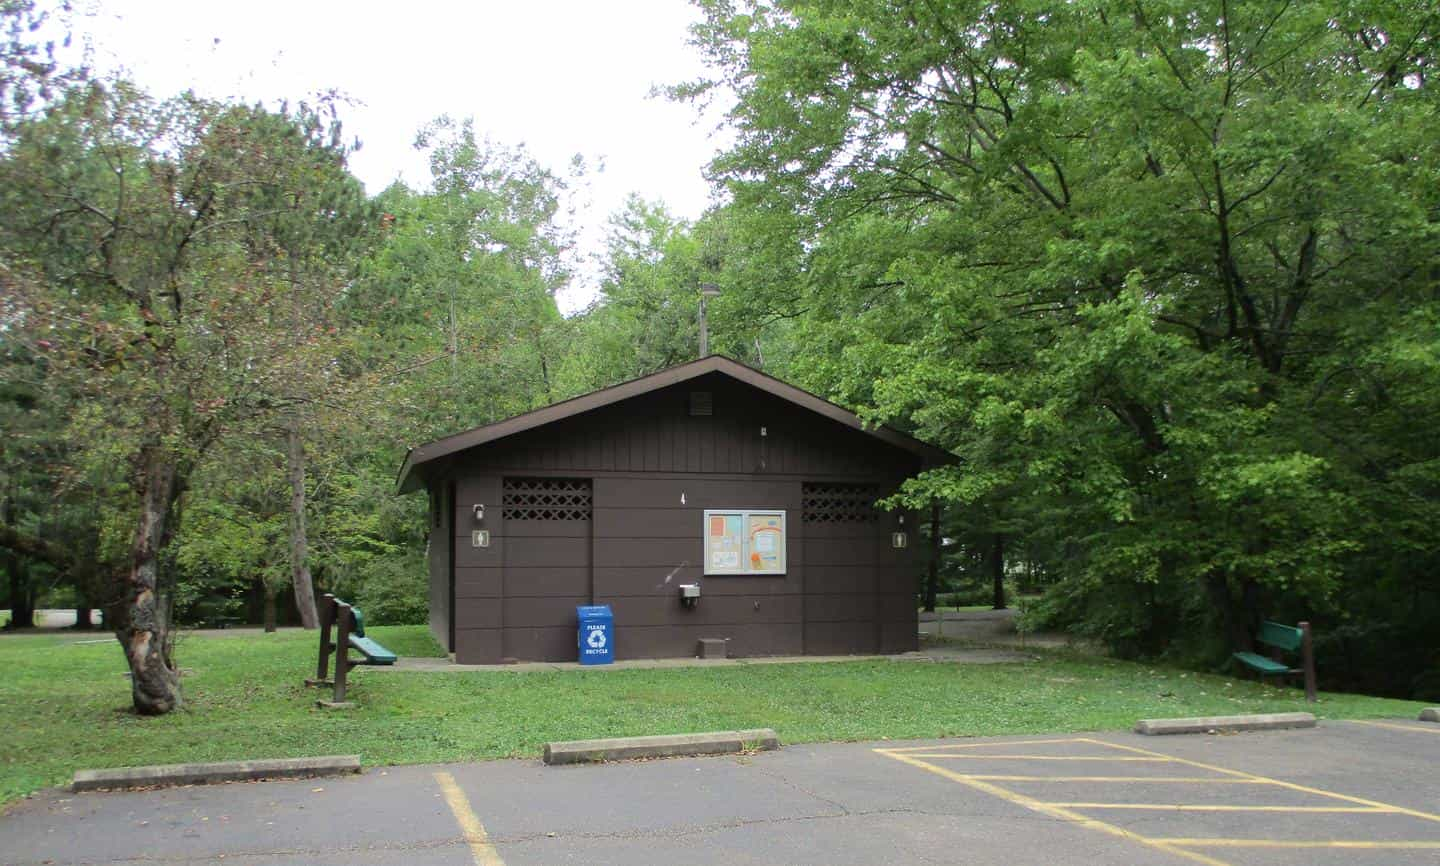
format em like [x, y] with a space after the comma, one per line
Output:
[431, 451]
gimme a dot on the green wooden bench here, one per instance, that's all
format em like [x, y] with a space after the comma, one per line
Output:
[1282, 639]
[349, 626]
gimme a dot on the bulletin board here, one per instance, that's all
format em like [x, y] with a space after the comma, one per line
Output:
[745, 541]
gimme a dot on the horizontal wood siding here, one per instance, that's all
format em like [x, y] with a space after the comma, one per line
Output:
[647, 543]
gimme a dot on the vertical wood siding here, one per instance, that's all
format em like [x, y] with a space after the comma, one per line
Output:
[438, 554]
[845, 591]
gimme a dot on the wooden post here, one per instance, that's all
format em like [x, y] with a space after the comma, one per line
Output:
[1307, 661]
[343, 620]
[327, 619]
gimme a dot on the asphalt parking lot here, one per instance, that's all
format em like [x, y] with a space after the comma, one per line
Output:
[1346, 792]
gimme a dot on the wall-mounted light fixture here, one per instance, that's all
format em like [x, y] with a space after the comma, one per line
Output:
[478, 511]
[898, 540]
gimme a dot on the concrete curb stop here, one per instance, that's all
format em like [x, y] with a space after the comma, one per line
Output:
[664, 746]
[1222, 724]
[168, 775]
[1430, 714]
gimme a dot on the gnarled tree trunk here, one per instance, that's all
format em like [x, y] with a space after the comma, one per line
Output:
[144, 630]
[299, 544]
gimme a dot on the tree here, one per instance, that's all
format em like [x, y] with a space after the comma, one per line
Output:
[463, 286]
[133, 224]
[1134, 263]
[312, 261]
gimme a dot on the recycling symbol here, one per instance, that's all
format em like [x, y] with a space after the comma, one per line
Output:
[596, 638]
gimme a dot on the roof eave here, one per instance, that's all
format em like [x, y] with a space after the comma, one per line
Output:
[409, 480]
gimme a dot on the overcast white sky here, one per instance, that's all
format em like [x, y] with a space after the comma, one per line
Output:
[561, 76]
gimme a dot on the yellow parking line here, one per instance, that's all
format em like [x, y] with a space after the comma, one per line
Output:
[1390, 807]
[480, 847]
[1393, 726]
[1202, 807]
[907, 749]
[989, 757]
[1189, 780]
[1299, 843]
[1053, 811]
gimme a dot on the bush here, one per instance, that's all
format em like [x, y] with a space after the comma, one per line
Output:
[965, 596]
[395, 590]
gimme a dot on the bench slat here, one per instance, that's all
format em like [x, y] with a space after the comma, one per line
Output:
[1285, 637]
[374, 653]
[1262, 664]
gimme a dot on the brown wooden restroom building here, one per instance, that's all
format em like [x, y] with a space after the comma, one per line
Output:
[709, 475]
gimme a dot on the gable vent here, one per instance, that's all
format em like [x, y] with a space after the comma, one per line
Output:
[702, 403]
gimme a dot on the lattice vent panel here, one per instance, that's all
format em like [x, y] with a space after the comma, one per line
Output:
[839, 503]
[546, 499]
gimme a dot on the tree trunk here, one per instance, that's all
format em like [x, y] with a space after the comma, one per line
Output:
[299, 544]
[1250, 613]
[144, 629]
[22, 604]
[997, 570]
[932, 580]
[1217, 586]
[270, 593]
[82, 616]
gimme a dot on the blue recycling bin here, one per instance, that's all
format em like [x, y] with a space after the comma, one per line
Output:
[596, 635]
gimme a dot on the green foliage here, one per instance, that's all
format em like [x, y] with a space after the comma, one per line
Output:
[1160, 274]
[459, 296]
[195, 279]
[394, 590]
[646, 317]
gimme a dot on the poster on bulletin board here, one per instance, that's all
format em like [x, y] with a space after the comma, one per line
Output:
[725, 544]
[744, 541]
[766, 536]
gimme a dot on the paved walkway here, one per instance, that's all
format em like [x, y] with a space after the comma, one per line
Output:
[993, 627]
[1346, 793]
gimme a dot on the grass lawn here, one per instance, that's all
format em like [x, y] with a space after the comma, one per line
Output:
[65, 706]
